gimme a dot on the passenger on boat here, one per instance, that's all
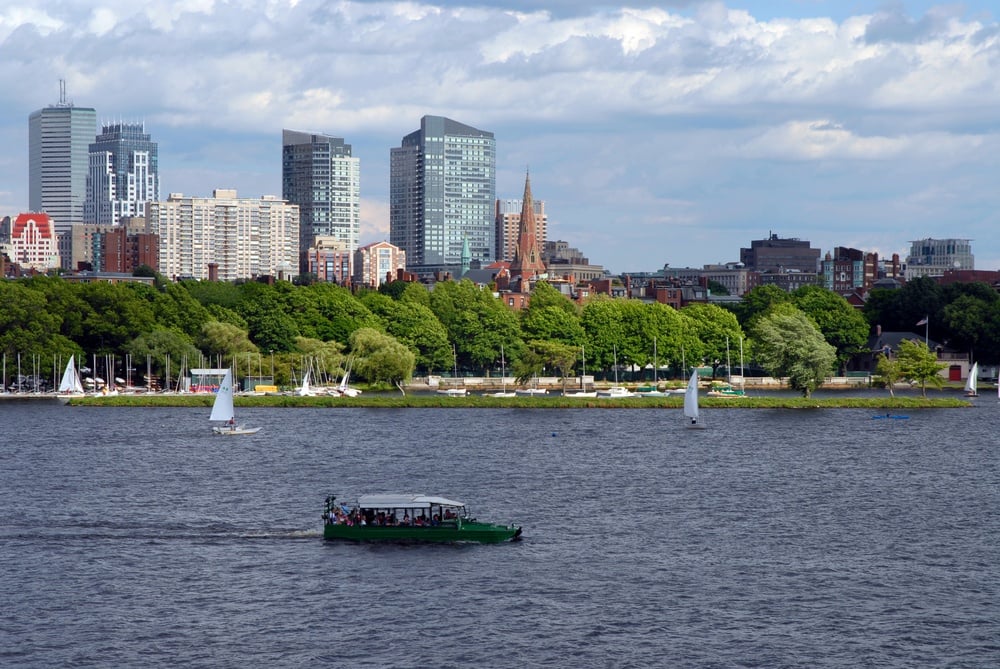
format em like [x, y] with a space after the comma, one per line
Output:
[406, 518]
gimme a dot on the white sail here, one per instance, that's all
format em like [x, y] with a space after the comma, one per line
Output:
[970, 383]
[305, 390]
[222, 409]
[691, 401]
[70, 382]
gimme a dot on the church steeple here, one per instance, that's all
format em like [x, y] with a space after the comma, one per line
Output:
[527, 259]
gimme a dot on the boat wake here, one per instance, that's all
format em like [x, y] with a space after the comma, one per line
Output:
[178, 532]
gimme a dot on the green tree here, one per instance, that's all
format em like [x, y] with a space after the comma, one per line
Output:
[759, 302]
[151, 350]
[965, 319]
[224, 339]
[919, 364]
[717, 288]
[843, 326]
[415, 325]
[540, 356]
[378, 357]
[718, 331]
[477, 323]
[788, 344]
[545, 295]
[552, 323]
[889, 371]
[118, 314]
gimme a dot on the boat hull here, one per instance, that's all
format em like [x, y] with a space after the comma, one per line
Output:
[484, 533]
[234, 431]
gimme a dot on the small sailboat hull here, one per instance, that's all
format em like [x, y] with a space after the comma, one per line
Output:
[236, 430]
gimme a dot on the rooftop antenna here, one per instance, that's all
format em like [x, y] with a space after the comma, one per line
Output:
[62, 95]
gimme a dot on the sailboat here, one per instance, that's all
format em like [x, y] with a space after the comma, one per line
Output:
[691, 403]
[222, 410]
[503, 375]
[970, 383]
[582, 393]
[615, 391]
[344, 389]
[653, 390]
[70, 385]
[304, 390]
[454, 391]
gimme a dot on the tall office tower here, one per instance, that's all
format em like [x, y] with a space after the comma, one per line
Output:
[442, 188]
[123, 176]
[58, 140]
[319, 174]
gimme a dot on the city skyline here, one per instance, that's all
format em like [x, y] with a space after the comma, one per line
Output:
[661, 133]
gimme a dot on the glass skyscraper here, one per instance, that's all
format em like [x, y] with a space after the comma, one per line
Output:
[123, 176]
[442, 189]
[58, 140]
[319, 174]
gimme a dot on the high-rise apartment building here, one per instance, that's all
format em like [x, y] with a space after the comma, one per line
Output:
[442, 190]
[123, 176]
[319, 174]
[58, 140]
[224, 237]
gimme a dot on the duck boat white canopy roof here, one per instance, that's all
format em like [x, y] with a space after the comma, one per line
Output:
[404, 502]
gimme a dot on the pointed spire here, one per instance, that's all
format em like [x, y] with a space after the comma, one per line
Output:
[527, 259]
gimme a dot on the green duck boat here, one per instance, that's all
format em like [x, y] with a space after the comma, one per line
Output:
[410, 518]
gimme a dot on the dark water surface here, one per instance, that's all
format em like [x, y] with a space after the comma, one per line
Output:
[776, 538]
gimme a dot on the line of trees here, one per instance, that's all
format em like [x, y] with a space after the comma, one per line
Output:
[402, 329]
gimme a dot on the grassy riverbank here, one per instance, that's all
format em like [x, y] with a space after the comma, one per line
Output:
[543, 402]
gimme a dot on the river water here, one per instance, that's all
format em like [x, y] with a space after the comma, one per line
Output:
[775, 538]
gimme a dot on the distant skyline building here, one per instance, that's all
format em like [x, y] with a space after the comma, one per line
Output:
[375, 263]
[442, 193]
[123, 174]
[933, 257]
[31, 242]
[224, 237]
[776, 255]
[846, 270]
[319, 174]
[508, 222]
[330, 259]
[59, 138]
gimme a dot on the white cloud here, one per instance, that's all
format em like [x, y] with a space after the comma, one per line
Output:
[645, 117]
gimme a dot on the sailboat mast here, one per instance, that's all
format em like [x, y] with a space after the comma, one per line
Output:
[729, 367]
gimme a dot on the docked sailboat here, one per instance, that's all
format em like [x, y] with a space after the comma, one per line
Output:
[582, 393]
[223, 410]
[691, 403]
[615, 391]
[503, 377]
[70, 385]
[305, 390]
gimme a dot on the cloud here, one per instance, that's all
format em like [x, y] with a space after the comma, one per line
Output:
[635, 119]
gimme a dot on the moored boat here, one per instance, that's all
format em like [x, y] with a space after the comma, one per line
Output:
[722, 389]
[410, 518]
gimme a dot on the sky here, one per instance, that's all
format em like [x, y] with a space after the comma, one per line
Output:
[657, 133]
